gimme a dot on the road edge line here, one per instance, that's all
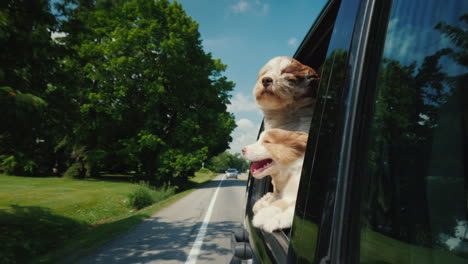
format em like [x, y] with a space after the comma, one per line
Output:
[195, 251]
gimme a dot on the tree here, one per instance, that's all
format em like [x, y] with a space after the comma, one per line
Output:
[29, 66]
[408, 131]
[458, 37]
[227, 160]
[148, 95]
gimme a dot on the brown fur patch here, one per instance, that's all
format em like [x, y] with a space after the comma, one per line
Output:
[285, 146]
[300, 71]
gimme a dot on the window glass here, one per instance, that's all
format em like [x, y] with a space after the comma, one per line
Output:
[414, 199]
[319, 170]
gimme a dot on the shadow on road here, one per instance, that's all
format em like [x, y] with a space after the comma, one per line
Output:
[156, 241]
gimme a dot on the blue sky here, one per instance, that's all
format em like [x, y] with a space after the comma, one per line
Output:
[245, 34]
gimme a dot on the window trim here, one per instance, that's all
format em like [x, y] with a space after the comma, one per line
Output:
[276, 244]
[366, 50]
[317, 34]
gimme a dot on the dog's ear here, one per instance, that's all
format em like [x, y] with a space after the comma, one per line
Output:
[298, 141]
[287, 145]
[304, 73]
[312, 74]
[312, 86]
[299, 70]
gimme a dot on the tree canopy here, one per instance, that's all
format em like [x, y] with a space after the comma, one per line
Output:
[126, 87]
[226, 160]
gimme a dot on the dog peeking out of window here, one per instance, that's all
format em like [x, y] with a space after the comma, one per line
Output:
[279, 153]
[286, 92]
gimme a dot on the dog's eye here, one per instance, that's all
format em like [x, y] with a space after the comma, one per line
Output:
[291, 79]
[266, 141]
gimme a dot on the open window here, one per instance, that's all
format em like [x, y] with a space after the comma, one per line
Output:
[312, 52]
[317, 227]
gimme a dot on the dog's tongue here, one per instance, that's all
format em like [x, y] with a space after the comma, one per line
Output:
[260, 166]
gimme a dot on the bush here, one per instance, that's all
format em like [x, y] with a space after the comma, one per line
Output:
[17, 165]
[9, 164]
[75, 171]
[145, 195]
[205, 170]
[163, 193]
[29, 167]
[141, 197]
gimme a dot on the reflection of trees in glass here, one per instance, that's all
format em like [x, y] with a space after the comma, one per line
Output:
[331, 82]
[332, 76]
[459, 38]
[410, 102]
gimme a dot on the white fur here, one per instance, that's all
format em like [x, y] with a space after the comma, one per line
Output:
[292, 112]
[267, 215]
[273, 218]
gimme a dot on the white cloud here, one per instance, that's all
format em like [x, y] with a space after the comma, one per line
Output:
[408, 43]
[253, 7]
[246, 130]
[263, 10]
[292, 41]
[245, 124]
[241, 7]
[245, 134]
[242, 103]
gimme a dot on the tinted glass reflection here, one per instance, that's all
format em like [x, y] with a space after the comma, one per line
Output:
[319, 171]
[414, 207]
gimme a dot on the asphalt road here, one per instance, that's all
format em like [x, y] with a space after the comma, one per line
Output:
[195, 229]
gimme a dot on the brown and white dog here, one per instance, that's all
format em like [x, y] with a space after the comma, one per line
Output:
[286, 93]
[279, 153]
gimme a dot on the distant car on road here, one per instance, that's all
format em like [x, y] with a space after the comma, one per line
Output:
[232, 173]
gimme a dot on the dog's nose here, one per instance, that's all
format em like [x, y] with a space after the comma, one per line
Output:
[267, 81]
[244, 150]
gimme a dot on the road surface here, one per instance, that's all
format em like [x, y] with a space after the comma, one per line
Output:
[195, 229]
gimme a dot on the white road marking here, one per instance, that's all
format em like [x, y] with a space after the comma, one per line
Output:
[195, 251]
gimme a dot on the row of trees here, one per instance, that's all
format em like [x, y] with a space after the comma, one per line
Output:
[226, 160]
[412, 173]
[89, 86]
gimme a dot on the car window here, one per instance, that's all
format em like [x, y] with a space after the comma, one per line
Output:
[319, 170]
[414, 204]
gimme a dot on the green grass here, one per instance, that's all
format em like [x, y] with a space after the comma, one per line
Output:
[49, 219]
[305, 241]
[86, 201]
[377, 248]
[203, 176]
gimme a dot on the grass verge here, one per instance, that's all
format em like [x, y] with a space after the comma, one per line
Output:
[56, 220]
[90, 240]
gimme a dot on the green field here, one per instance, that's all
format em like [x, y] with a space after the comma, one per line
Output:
[376, 248]
[48, 219]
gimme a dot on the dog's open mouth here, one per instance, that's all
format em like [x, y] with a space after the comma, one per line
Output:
[260, 166]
